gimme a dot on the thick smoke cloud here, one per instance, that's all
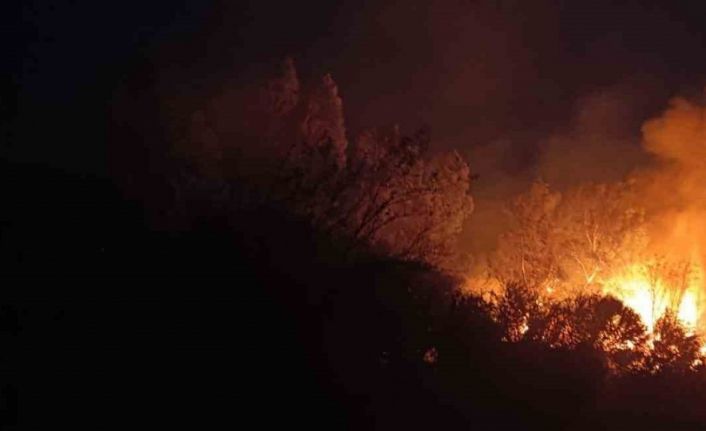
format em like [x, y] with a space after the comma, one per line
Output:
[601, 143]
[679, 135]
[673, 188]
[523, 90]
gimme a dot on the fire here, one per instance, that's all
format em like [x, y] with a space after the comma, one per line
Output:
[689, 310]
[650, 297]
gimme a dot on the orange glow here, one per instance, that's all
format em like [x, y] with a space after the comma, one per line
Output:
[688, 310]
[650, 297]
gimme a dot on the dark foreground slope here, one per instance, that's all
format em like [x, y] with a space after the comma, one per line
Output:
[253, 320]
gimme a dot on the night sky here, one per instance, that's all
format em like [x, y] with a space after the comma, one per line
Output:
[479, 73]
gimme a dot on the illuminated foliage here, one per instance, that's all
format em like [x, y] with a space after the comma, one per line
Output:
[560, 243]
[527, 253]
[599, 227]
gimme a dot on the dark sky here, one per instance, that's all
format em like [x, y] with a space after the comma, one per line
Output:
[510, 83]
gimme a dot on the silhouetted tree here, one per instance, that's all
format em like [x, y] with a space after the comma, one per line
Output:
[382, 193]
[674, 350]
[400, 202]
[515, 309]
[602, 322]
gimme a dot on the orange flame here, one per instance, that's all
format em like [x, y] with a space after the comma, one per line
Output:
[651, 298]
